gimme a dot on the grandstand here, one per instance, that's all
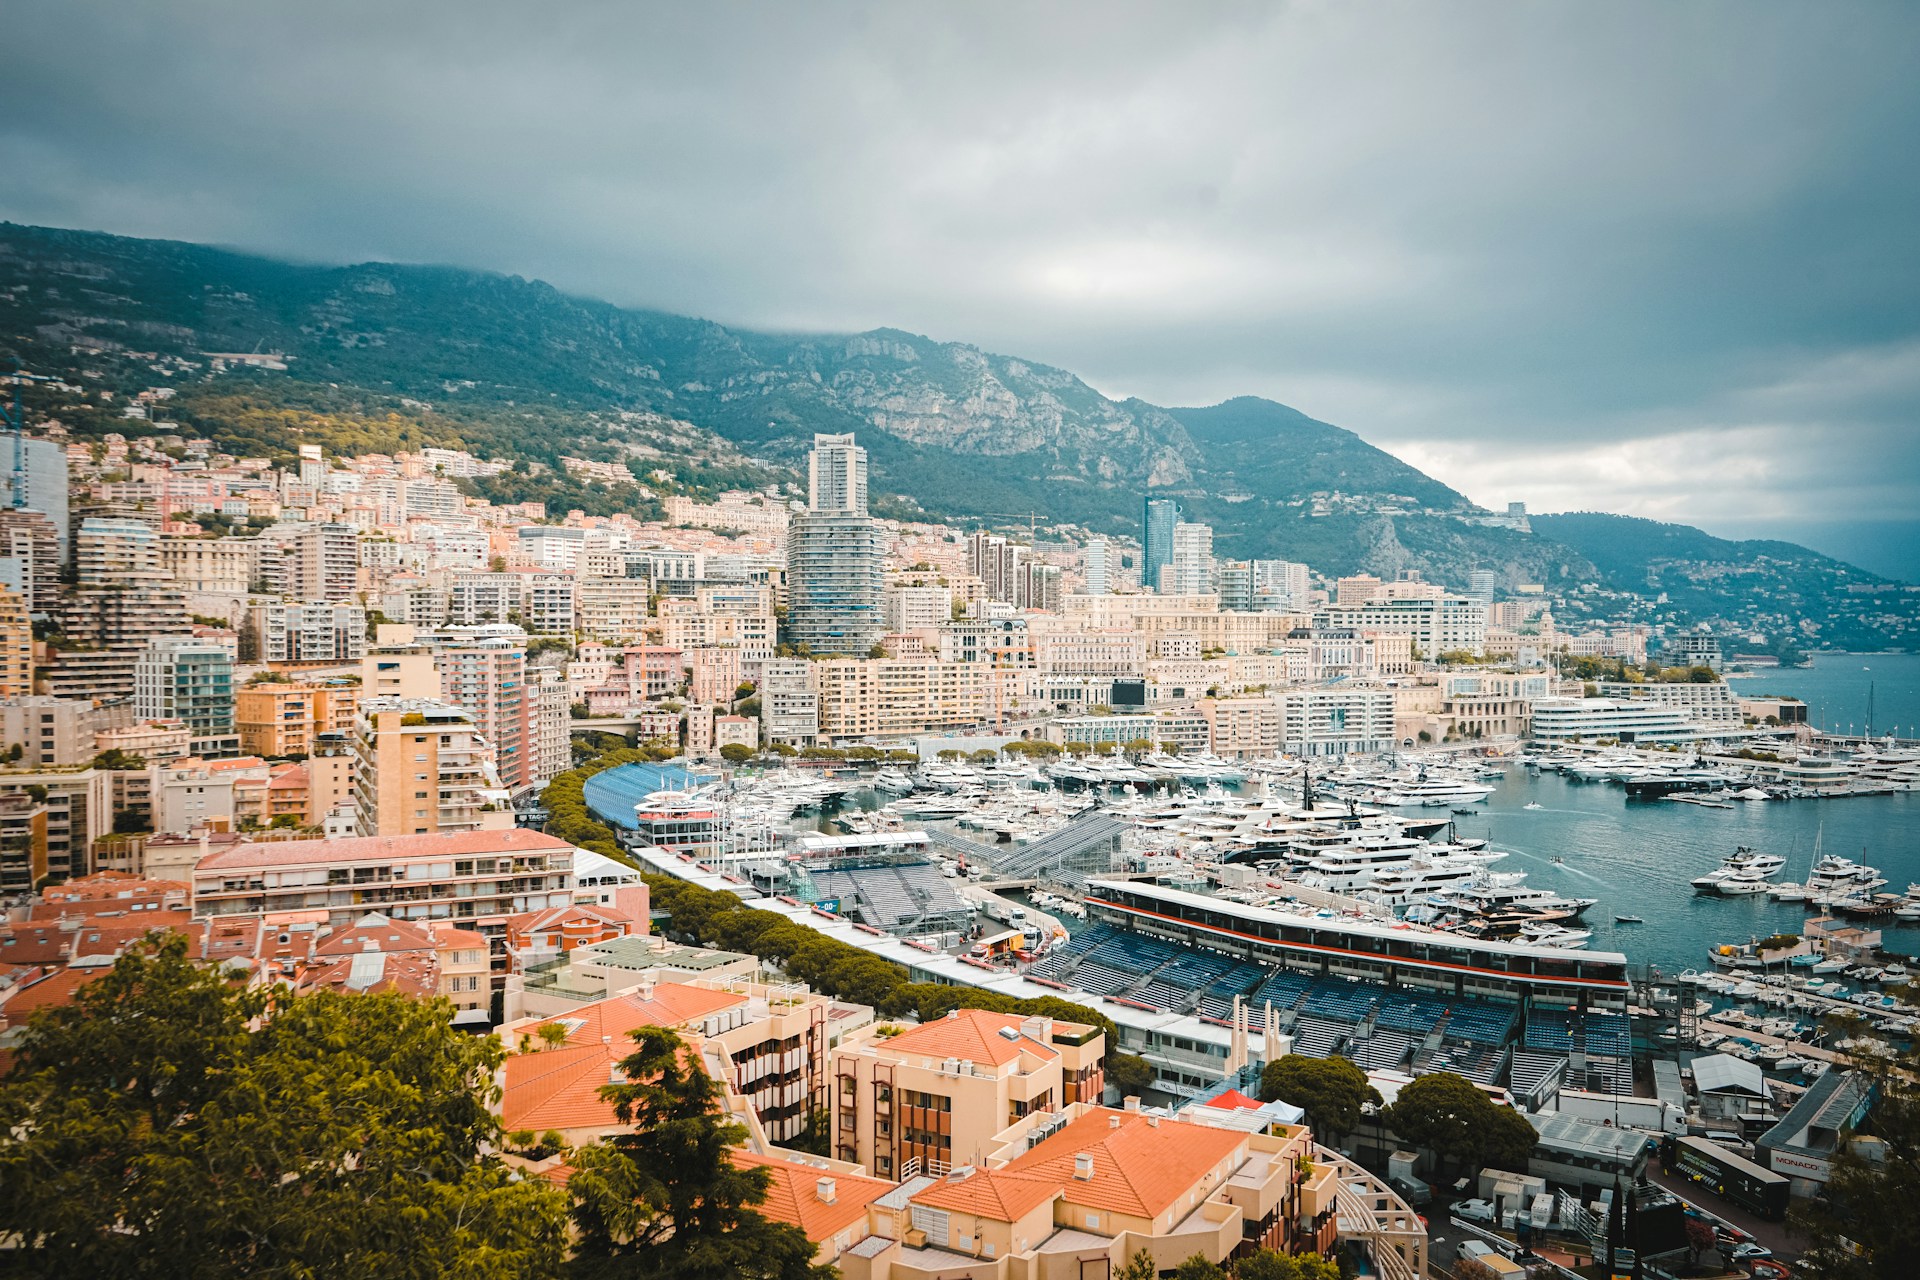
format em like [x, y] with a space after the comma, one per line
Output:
[898, 896]
[1082, 848]
[1406, 1029]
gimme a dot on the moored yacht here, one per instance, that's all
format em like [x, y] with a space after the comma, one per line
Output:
[1741, 862]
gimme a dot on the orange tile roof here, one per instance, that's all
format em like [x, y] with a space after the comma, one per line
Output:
[447, 935]
[386, 933]
[971, 1034]
[1140, 1168]
[452, 844]
[410, 975]
[793, 1197]
[996, 1195]
[35, 943]
[612, 1020]
[54, 989]
[97, 937]
[559, 1088]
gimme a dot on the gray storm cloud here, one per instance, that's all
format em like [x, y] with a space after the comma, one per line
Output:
[1651, 258]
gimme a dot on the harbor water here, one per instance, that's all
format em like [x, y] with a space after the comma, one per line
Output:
[1638, 857]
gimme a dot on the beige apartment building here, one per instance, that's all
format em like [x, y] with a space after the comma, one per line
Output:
[478, 879]
[614, 609]
[1069, 1196]
[79, 811]
[209, 566]
[931, 1097]
[773, 1035]
[51, 732]
[1110, 652]
[421, 767]
[277, 720]
[1242, 728]
[16, 647]
[895, 697]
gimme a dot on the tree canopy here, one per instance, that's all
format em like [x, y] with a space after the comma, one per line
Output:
[154, 1134]
[1332, 1091]
[665, 1200]
[1455, 1119]
[1866, 1227]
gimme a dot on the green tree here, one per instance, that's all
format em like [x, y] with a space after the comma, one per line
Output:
[1198, 1268]
[1332, 1091]
[1130, 1074]
[1267, 1264]
[666, 1200]
[154, 1135]
[736, 753]
[1865, 1227]
[1139, 1267]
[1464, 1128]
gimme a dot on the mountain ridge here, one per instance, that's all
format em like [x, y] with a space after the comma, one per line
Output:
[1273, 481]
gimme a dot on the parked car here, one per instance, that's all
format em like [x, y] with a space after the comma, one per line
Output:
[1749, 1252]
[1474, 1210]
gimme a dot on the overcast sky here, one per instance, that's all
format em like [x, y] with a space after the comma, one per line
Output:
[1661, 259]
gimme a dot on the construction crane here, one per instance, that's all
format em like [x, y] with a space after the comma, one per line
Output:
[1033, 519]
[13, 420]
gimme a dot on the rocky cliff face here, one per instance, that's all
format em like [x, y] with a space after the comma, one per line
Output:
[958, 398]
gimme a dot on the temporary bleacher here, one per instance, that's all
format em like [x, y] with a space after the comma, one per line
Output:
[892, 896]
[1530, 1068]
[1477, 1062]
[1314, 1038]
[1478, 1022]
[1381, 1051]
[1605, 1075]
[1216, 1002]
[1378, 1028]
[1608, 1035]
[1082, 847]
[1554, 1031]
[1415, 1015]
[1336, 1001]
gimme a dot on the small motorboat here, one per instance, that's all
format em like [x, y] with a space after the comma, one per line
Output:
[1558, 859]
[1533, 804]
[1464, 813]
[1629, 920]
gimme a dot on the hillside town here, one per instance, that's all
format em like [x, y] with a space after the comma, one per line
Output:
[1167, 826]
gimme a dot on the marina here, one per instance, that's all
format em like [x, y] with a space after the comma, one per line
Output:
[1522, 917]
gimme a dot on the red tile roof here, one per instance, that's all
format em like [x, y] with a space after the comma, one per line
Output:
[386, 934]
[560, 1088]
[1140, 1168]
[992, 1194]
[453, 844]
[55, 989]
[793, 1197]
[970, 1034]
[671, 1004]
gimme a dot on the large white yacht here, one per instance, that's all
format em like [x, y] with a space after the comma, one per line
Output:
[1743, 862]
[1396, 794]
[1834, 874]
[1491, 897]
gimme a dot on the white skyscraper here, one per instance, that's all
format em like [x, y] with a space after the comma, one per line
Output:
[837, 475]
[1099, 565]
[1191, 570]
[835, 582]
